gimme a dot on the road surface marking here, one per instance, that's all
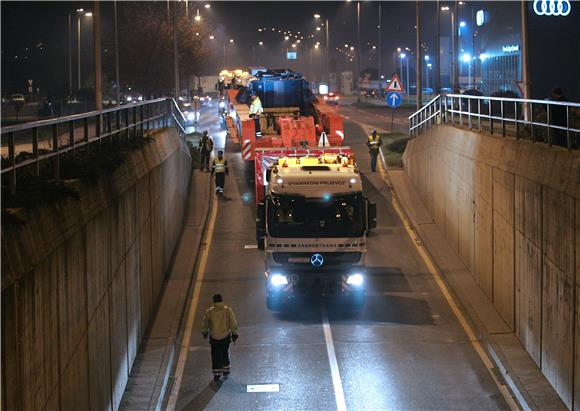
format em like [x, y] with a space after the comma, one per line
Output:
[336, 380]
[192, 310]
[263, 388]
[451, 302]
[251, 246]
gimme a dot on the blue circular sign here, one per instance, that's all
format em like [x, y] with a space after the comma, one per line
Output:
[394, 99]
[317, 260]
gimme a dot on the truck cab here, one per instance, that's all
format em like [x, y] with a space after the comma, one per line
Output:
[313, 224]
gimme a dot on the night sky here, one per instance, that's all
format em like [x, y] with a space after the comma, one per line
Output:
[35, 37]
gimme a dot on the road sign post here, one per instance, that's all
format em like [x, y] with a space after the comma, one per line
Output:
[394, 97]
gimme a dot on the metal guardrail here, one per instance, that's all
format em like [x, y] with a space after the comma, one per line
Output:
[553, 122]
[29, 144]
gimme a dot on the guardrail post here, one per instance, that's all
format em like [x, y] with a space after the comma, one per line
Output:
[479, 113]
[109, 128]
[127, 128]
[71, 134]
[35, 151]
[516, 120]
[548, 123]
[134, 121]
[55, 148]
[98, 128]
[568, 139]
[489, 113]
[141, 120]
[532, 122]
[12, 157]
[502, 119]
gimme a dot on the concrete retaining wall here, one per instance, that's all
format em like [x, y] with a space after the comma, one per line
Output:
[80, 281]
[511, 211]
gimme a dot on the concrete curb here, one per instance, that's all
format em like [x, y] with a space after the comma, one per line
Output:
[503, 368]
[167, 383]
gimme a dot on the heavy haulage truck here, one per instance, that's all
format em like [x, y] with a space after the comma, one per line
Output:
[312, 216]
[313, 225]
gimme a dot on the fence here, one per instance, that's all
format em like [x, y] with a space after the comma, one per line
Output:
[553, 122]
[30, 144]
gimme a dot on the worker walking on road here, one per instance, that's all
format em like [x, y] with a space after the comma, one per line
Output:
[374, 144]
[256, 111]
[206, 147]
[220, 169]
[219, 322]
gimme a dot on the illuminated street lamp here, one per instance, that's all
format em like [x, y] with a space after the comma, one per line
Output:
[327, 28]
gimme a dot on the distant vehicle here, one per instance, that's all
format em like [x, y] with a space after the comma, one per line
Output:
[205, 99]
[129, 99]
[17, 98]
[427, 90]
[445, 90]
[331, 98]
[372, 92]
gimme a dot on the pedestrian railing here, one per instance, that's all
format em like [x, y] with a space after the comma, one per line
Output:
[551, 122]
[27, 145]
[428, 115]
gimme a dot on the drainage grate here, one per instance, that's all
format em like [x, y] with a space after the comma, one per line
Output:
[263, 388]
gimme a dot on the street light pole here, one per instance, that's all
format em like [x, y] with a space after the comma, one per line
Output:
[97, 53]
[327, 52]
[438, 49]
[455, 45]
[357, 49]
[175, 53]
[418, 70]
[78, 51]
[118, 85]
[380, 56]
[69, 54]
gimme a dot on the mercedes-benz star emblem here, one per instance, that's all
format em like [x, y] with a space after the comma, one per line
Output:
[317, 260]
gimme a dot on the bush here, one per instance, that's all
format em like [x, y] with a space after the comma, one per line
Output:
[398, 146]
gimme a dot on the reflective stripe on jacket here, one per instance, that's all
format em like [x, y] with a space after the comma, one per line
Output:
[374, 143]
[219, 322]
[220, 166]
[256, 106]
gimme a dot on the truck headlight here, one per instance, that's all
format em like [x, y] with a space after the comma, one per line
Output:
[355, 279]
[222, 104]
[278, 280]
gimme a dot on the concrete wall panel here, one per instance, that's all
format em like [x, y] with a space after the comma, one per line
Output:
[525, 242]
[503, 241]
[118, 325]
[99, 352]
[557, 331]
[98, 252]
[70, 328]
[72, 299]
[74, 381]
[133, 302]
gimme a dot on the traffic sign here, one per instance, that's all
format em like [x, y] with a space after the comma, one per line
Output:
[394, 99]
[396, 84]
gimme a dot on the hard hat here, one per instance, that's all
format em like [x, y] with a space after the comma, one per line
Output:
[253, 93]
[373, 131]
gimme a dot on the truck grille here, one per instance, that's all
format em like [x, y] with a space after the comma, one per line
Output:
[303, 259]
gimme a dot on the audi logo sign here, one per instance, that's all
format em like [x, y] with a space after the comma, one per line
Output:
[552, 7]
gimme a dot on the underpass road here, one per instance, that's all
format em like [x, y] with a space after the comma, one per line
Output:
[405, 350]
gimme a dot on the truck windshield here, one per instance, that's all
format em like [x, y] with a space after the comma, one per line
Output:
[296, 216]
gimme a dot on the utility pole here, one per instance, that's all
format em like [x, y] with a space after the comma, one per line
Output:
[455, 46]
[356, 77]
[97, 52]
[438, 48]
[175, 52]
[419, 58]
[525, 62]
[327, 53]
[78, 52]
[70, 55]
[380, 54]
[118, 85]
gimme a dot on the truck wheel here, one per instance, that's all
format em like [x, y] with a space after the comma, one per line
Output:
[261, 243]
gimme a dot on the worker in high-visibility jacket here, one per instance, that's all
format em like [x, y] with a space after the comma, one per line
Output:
[374, 144]
[220, 169]
[219, 323]
[256, 111]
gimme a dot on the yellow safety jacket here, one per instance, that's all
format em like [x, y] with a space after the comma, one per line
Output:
[220, 166]
[256, 107]
[219, 322]
[374, 142]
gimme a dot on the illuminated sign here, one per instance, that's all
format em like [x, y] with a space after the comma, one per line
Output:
[480, 17]
[291, 55]
[511, 49]
[552, 7]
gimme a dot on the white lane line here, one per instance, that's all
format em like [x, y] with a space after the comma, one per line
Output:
[251, 246]
[452, 304]
[336, 380]
[172, 402]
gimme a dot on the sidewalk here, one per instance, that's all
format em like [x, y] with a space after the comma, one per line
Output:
[517, 369]
[152, 369]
